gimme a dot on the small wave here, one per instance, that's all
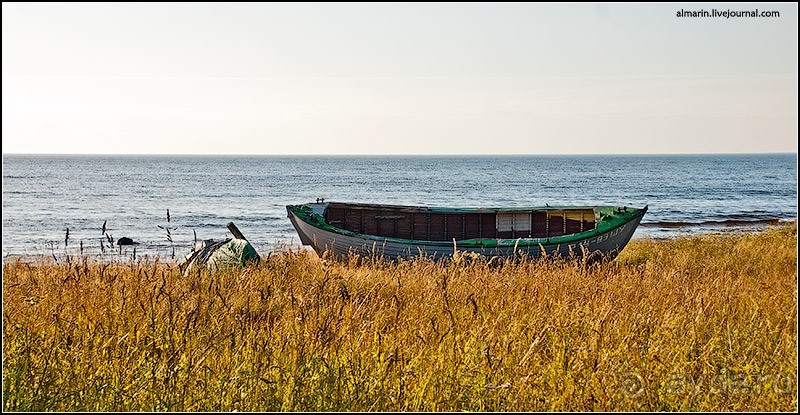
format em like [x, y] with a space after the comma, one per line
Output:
[714, 223]
[750, 216]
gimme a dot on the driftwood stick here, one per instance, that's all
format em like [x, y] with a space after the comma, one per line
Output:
[235, 231]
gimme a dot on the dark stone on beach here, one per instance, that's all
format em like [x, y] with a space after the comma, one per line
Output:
[126, 241]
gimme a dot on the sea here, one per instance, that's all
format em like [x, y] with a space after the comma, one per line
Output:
[77, 204]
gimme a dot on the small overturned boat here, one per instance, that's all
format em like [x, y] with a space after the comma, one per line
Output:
[234, 252]
[584, 232]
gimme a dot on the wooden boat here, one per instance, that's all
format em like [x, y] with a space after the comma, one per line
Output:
[588, 232]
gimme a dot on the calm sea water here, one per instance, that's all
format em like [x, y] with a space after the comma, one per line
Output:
[44, 195]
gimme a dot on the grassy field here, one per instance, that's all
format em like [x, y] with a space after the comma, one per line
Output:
[704, 323]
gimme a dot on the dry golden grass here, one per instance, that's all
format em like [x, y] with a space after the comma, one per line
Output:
[695, 324]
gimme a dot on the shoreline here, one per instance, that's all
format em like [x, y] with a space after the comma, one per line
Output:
[142, 253]
[674, 229]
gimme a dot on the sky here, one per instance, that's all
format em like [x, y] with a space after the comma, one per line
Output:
[410, 78]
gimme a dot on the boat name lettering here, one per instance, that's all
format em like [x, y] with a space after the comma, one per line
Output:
[610, 234]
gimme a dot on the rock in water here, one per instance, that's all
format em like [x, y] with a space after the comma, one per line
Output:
[126, 241]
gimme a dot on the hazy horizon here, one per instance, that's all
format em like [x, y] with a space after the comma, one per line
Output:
[400, 154]
[397, 79]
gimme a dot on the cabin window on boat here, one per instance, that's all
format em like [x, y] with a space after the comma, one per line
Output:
[518, 221]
